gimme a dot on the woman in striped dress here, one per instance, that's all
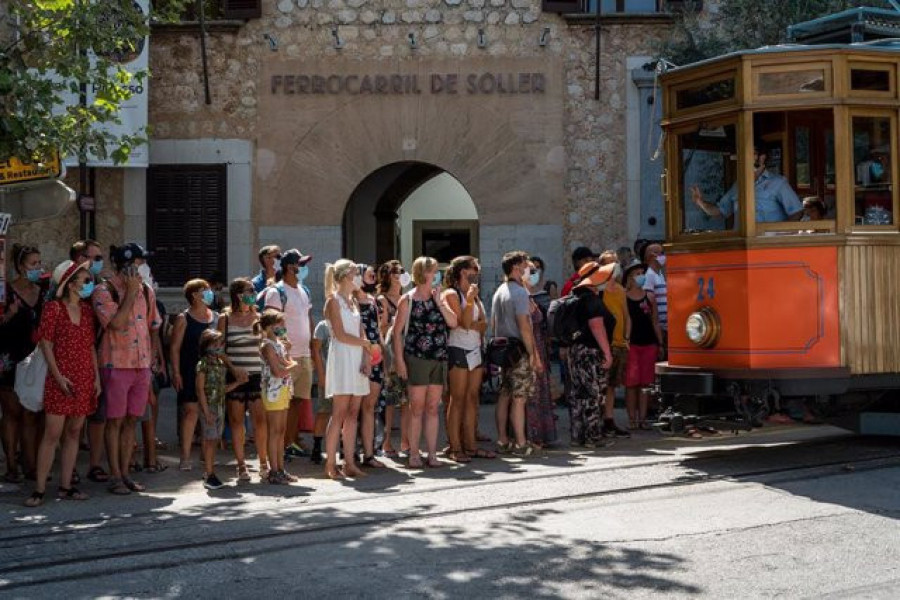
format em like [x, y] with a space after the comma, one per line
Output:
[240, 324]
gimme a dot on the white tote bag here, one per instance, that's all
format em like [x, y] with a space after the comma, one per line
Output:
[31, 374]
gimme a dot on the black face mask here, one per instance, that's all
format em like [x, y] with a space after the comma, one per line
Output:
[369, 288]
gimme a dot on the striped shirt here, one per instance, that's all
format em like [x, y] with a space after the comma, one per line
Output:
[656, 283]
[242, 347]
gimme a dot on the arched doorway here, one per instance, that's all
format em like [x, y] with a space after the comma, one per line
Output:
[407, 209]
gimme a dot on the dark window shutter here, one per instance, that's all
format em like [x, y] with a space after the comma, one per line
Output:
[243, 9]
[563, 6]
[682, 5]
[186, 220]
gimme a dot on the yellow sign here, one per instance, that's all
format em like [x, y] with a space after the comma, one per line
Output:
[16, 171]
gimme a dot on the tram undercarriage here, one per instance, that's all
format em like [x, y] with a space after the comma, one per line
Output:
[735, 401]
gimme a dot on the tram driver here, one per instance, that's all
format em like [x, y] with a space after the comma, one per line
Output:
[775, 200]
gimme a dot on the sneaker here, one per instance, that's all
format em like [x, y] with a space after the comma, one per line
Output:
[185, 465]
[294, 451]
[242, 473]
[614, 431]
[211, 482]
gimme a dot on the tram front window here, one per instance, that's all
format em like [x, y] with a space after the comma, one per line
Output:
[874, 190]
[708, 170]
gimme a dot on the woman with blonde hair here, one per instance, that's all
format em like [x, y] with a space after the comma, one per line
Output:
[420, 350]
[348, 365]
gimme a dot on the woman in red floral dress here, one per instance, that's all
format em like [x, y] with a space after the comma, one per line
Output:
[66, 337]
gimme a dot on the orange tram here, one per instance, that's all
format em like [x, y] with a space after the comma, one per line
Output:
[783, 237]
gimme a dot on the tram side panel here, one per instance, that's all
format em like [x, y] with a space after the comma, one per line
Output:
[777, 308]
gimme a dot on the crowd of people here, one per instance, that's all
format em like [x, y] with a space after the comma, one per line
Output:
[411, 347]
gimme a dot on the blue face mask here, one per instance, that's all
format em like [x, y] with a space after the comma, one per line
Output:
[34, 275]
[436, 280]
[534, 278]
[96, 267]
[208, 297]
[640, 280]
[303, 273]
[86, 290]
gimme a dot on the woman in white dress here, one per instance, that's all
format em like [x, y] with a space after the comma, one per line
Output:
[347, 367]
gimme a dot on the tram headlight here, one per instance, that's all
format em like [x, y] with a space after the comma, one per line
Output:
[703, 327]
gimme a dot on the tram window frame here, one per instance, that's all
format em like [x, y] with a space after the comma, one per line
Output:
[760, 71]
[788, 164]
[888, 68]
[850, 203]
[679, 193]
[713, 79]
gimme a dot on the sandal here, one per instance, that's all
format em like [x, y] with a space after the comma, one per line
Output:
[482, 453]
[118, 487]
[133, 485]
[415, 463]
[371, 461]
[506, 448]
[98, 475]
[35, 500]
[433, 463]
[157, 468]
[72, 493]
[459, 456]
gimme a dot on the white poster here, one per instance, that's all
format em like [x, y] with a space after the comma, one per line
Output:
[132, 112]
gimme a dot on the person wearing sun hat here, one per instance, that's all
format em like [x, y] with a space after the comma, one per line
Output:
[590, 356]
[66, 339]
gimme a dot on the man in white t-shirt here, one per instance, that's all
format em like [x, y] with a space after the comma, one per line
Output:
[291, 297]
[655, 259]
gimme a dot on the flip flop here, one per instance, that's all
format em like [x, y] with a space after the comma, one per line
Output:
[459, 457]
[482, 453]
[72, 493]
[119, 488]
[157, 468]
[98, 475]
[133, 485]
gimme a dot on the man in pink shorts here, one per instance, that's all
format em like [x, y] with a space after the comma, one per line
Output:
[126, 309]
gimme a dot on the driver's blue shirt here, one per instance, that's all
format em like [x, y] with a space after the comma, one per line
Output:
[775, 200]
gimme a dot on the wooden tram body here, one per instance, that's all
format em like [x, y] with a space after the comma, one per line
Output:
[761, 310]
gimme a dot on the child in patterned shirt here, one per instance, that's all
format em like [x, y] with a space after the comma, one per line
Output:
[211, 390]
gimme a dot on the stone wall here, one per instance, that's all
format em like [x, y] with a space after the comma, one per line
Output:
[593, 197]
[55, 233]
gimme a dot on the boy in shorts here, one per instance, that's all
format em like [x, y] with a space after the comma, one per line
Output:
[211, 390]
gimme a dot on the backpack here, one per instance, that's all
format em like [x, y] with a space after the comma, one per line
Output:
[562, 320]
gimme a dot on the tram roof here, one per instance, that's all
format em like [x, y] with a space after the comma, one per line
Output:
[886, 46]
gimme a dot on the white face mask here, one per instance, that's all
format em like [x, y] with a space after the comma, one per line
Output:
[661, 259]
[405, 279]
[144, 271]
[357, 281]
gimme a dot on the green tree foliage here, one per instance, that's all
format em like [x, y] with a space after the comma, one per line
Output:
[48, 50]
[743, 24]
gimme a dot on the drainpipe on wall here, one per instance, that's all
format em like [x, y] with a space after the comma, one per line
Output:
[597, 52]
[203, 51]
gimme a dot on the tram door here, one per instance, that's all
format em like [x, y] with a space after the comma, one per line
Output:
[810, 167]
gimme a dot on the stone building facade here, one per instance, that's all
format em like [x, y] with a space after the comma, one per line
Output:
[315, 96]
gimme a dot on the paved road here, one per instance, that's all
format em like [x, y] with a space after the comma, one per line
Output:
[792, 512]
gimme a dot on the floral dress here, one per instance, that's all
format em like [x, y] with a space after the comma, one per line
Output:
[369, 315]
[539, 418]
[73, 349]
